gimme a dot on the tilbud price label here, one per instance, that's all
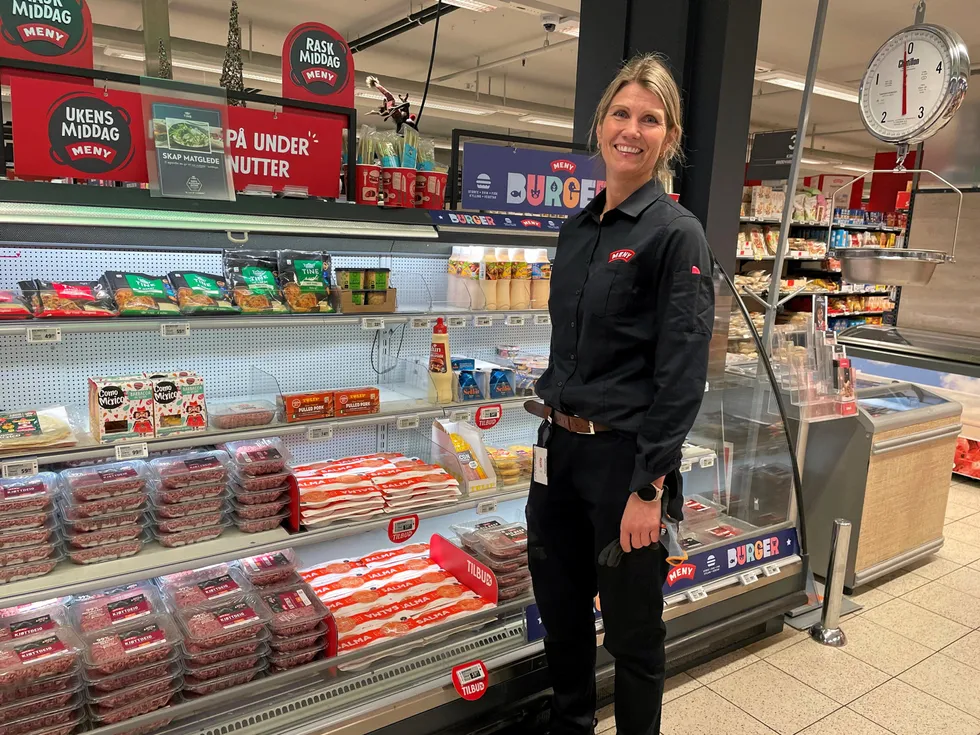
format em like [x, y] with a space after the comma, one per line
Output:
[132, 451]
[708, 461]
[319, 433]
[43, 335]
[373, 323]
[460, 416]
[770, 570]
[515, 320]
[420, 322]
[403, 528]
[176, 329]
[489, 416]
[21, 468]
[455, 322]
[748, 578]
[407, 422]
[696, 594]
[685, 466]
[486, 506]
[470, 680]
[483, 321]
[542, 319]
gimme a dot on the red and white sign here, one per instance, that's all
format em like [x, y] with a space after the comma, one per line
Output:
[489, 416]
[624, 255]
[471, 680]
[401, 529]
[47, 31]
[464, 567]
[317, 65]
[563, 165]
[681, 571]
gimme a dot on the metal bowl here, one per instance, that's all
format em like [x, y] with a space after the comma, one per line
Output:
[889, 266]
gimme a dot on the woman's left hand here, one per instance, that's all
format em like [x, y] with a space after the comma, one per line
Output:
[641, 523]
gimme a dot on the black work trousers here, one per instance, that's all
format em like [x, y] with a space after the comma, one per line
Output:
[570, 521]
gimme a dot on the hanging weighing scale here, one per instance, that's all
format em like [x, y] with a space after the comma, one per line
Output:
[914, 84]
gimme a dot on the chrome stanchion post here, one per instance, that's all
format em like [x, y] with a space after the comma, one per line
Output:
[828, 631]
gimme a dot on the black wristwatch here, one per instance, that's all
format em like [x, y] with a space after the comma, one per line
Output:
[650, 492]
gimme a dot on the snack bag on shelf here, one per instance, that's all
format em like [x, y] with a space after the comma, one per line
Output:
[13, 306]
[201, 293]
[138, 294]
[68, 299]
[254, 281]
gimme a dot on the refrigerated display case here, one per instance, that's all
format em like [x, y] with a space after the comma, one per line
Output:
[746, 564]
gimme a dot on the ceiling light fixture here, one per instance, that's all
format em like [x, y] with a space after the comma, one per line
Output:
[465, 108]
[554, 122]
[857, 169]
[795, 81]
[475, 5]
[191, 65]
[568, 26]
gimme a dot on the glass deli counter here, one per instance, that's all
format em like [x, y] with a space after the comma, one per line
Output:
[243, 526]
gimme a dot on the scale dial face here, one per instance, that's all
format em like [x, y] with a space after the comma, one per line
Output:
[914, 84]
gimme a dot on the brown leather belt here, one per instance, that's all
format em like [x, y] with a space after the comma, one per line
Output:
[574, 424]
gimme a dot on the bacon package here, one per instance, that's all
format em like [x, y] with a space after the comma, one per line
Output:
[68, 299]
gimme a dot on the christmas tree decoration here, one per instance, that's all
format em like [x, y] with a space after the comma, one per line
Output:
[231, 69]
[166, 70]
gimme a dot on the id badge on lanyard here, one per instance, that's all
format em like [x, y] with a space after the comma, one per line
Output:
[540, 449]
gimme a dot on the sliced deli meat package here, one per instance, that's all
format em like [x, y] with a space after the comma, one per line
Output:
[228, 621]
[365, 599]
[68, 299]
[142, 641]
[24, 661]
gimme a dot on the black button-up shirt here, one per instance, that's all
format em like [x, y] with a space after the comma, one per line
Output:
[632, 308]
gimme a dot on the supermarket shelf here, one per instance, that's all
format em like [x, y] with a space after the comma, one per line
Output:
[869, 312]
[206, 438]
[867, 228]
[155, 560]
[776, 221]
[252, 321]
[788, 257]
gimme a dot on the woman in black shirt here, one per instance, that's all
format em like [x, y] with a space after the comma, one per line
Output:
[632, 305]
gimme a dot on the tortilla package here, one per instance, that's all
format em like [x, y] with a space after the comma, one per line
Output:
[303, 284]
[68, 298]
[254, 281]
[201, 293]
[137, 294]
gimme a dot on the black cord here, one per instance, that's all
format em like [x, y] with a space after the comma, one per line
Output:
[432, 58]
[398, 352]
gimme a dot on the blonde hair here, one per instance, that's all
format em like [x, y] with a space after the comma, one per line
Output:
[650, 71]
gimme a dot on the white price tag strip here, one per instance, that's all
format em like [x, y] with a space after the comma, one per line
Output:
[483, 321]
[770, 570]
[319, 433]
[407, 422]
[685, 466]
[175, 329]
[455, 322]
[540, 319]
[696, 594]
[486, 506]
[420, 322]
[708, 461]
[132, 451]
[461, 416]
[43, 335]
[373, 322]
[20, 468]
[747, 578]
[515, 320]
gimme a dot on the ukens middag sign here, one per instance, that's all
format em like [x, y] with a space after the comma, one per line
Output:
[526, 180]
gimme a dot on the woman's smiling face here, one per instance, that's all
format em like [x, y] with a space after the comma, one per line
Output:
[632, 134]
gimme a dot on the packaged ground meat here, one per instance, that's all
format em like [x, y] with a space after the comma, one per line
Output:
[27, 554]
[259, 525]
[101, 508]
[295, 608]
[203, 586]
[254, 281]
[228, 666]
[73, 523]
[172, 681]
[137, 294]
[102, 716]
[255, 457]
[191, 536]
[42, 703]
[256, 511]
[505, 542]
[120, 606]
[262, 482]
[18, 521]
[31, 623]
[68, 299]
[189, 507]
[85, 484]
[109, 552]
[67, 713]
[205, 491]
[201, 293]
[23, 662]
[188, 522]
[239, 414]
[512, 593]
[45, 686]
[467, 530]
[282, 661]
[174, 473]
[27, 494]
[13, 306]
[132, 677]
[228, 621]
[27, 536]
[301, 275]
[505, 566]
[513, 579]
[140, 642]
[104, 536]
[270, 569]
[29, 570]
[225, 653]
[195, 686]
[263, 497]
[286, 643]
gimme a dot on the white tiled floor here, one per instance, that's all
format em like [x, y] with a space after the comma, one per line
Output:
[911, 665]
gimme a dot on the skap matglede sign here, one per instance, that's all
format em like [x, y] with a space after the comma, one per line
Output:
[507, 179]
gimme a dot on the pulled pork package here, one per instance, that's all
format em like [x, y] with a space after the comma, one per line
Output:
[305, 281]
[254, 281]
[138, 294]
[68, 298]
[13, 306]
[201, 293]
